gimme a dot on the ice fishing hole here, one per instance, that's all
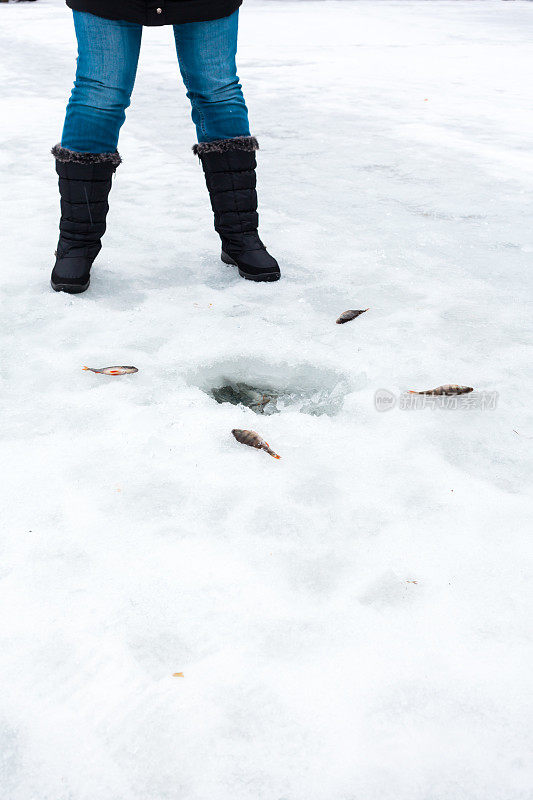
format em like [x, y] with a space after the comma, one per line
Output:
[275, 388]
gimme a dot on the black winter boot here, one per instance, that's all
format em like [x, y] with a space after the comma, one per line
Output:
[229, 167]
[84, 186]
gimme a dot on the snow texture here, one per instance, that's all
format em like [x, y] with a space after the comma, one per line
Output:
[351, 621]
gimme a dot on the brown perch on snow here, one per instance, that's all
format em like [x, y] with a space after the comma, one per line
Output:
[253, 439]
[447, 389]
[346, 316]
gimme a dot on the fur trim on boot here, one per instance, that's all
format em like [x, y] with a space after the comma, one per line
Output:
[247, 143]
[71, 157]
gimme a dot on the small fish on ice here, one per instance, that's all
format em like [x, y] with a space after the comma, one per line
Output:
[253, 439]
[346, 316]
[113, 370]
[447, 389]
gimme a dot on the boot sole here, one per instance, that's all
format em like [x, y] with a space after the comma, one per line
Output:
[265, 277]
[69, 288]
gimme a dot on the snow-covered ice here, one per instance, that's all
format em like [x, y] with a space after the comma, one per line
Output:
[352, 621]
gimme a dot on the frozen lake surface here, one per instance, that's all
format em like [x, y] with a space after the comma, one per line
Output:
[351, 621]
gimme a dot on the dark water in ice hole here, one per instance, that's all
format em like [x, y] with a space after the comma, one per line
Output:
[263, 400]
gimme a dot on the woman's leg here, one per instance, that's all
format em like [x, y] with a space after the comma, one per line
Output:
[108, 52]
[206, 54]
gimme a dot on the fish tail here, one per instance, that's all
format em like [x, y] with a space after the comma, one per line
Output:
[86, 368]
[270, 451]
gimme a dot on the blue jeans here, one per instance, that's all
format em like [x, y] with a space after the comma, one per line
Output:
[108, 52]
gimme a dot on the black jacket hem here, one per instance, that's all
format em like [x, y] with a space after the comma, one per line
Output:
[145, 12]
